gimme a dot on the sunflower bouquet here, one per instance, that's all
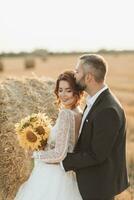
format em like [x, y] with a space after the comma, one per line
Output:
[33, 131]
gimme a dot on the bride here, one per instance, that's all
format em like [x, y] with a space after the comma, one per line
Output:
[48, 180]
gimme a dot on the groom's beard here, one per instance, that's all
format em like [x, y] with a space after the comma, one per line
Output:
[81, 85]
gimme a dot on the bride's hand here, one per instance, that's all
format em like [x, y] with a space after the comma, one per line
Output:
[37, 154]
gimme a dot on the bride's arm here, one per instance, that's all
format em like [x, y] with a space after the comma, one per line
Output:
[57, 154]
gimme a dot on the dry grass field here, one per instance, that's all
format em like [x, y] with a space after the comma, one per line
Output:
[120, 79]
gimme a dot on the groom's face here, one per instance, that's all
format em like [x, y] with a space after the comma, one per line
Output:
[80, 76]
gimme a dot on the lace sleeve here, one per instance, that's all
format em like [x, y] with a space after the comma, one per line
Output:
[66, 120]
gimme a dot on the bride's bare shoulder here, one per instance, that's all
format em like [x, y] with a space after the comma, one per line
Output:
[77, 113]
[78, 117]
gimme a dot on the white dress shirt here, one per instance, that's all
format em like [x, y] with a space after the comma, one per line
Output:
[89, 101]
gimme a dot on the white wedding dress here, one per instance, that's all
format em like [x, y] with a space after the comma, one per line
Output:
[48, 181]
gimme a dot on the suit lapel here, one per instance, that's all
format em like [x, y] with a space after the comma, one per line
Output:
[100, 98]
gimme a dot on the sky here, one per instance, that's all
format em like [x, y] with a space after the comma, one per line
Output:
[66, 25]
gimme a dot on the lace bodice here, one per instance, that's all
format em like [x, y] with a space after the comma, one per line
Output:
[62, 138]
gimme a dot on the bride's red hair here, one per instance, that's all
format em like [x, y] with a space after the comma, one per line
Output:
[70, 78]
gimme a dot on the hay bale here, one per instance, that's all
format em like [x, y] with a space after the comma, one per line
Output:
[126, 195]
[29, 63]
[19, 98]
[1, 66]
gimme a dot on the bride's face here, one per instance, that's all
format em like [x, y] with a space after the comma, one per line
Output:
[65, 93]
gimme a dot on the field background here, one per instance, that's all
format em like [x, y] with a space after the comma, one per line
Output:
[120, 79]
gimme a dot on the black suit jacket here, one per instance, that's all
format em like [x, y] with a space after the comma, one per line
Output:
[99, 157]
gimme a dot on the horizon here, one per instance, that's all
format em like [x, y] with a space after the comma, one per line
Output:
[68, 52]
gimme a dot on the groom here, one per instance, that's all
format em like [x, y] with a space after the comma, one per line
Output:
[99, 158]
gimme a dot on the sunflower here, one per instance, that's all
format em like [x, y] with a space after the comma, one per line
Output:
[29, 139]
[33, 131]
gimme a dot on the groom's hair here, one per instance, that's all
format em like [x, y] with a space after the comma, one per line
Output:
[96, 64]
